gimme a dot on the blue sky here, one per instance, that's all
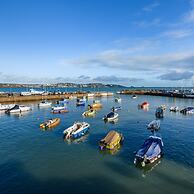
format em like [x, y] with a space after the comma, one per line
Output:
[130, 42]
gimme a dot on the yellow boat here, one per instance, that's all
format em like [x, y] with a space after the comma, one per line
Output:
[50, 123]
[96, 105]
[112, 140]
[89, 113]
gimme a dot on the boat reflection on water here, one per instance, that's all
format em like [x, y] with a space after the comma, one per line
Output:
[112, 151]
[77, 141]
[148, 168]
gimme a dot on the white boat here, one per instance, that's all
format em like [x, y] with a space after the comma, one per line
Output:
[174, 108]
[25, 94]
[4, 107]
[154, 125]
[112, 116]
[18, 109]
[59, 107]
[77, 130]
[32, 92]
[91, 95]
[36, 92]
[134, 97]
[118, 99]
[44, 103]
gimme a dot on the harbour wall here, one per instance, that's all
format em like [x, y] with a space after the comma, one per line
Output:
[19, 98]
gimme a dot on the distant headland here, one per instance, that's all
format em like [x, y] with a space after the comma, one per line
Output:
[59, 85]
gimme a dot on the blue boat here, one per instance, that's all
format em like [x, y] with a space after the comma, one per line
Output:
[77, 130]
[150, 151]
[159, 112]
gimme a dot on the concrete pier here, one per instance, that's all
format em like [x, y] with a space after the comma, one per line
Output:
[19, 98]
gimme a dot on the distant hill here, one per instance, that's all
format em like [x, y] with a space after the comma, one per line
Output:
[59, 85]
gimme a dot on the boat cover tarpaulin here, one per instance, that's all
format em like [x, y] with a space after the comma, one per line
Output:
[111, 137]
[151, 148]
[110, 115]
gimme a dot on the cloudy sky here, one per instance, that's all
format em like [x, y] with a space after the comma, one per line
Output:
[130, 42]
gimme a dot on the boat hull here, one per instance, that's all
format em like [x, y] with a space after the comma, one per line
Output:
[52, 125]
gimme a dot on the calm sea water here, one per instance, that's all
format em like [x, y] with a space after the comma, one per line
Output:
[35, 161]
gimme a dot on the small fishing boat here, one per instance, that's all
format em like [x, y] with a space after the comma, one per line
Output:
[174, 108]
[80, 102]
[154, 125]
[159, 112]
[50, 123]
[188, 110]
[116, 108]
[144, 105]
[44, 103]
[96, 104]
[163, 107]
[112, 140]
[77, 130]
[18, 109]
[57, 109]
[4, 107]
[150, 151]
[134, 97]
[118, 99]
[89, 113]
[112, 116]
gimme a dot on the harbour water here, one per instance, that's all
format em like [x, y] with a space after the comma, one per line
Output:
[35, 161]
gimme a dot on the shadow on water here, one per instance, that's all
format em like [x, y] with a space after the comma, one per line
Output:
[15, 179]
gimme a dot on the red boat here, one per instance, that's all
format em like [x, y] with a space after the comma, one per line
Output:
[144, 105]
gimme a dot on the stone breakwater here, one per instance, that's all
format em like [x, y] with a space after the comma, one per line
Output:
[19, 98]
[180, 94]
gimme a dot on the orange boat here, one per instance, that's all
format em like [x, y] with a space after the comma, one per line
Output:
[96, 104]
[51, 123]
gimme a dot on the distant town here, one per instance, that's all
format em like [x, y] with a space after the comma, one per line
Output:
[58, 85]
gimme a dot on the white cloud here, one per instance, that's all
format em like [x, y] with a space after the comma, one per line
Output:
[123, 60]
[180, 33]
[146, 24]
[189, 16]
[150, 7]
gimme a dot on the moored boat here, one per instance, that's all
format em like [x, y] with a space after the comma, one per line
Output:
[80, 102]
[59, 109]
[154, 125]
[50, 123]
[144, 105]
[77, 130]
[96, 104]
[116, 108]
[118, 99]
[111, 140]
[112, 116]
[150, 151]
[163, 107]
[134, 97]
[44, 103]
[89, 113]
[18, 109]
[188, 110]
[159, 112]
[4, 107]
[174, 109]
